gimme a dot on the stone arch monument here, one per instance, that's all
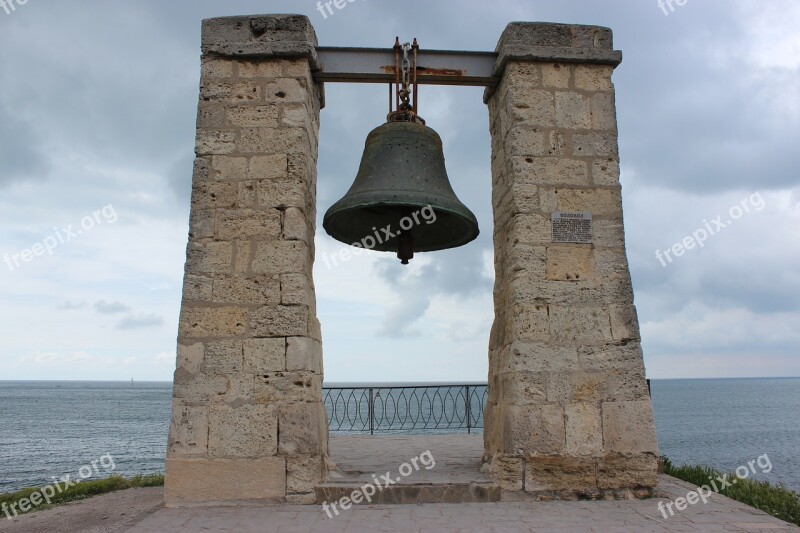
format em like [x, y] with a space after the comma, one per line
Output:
[569, 412]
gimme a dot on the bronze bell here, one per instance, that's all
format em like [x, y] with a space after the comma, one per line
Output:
[401, 199]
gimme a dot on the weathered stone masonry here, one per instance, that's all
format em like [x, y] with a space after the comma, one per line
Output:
[248, 420]
[569, 410]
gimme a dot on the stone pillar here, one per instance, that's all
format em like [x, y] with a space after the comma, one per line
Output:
[569, 413]
[248, 420]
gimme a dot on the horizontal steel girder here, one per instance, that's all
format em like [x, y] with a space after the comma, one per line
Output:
[434, 67]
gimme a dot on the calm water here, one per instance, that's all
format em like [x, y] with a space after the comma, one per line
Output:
[54, 428]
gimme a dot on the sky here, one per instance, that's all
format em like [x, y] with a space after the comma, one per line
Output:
[97, 122]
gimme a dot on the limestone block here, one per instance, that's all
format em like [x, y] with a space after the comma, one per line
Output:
[624, 322]
[533, 429]
[268, 167]
[584, 428]
[304, 353]
[212, 142]
[570, 262]
[287, 91]
[595, 144]
[604, 112]
[242, 431]
[530, 229]
[201, 224]
[295, 227]
[594, 77]
[190, 357]
[525, 357]
[531, 107]
[262, 116]
[242, 257]
[223, 357]
[550, 170]
[272, 140]
[573, 111]
[219, 480]
[262, 356]
[247, 194]
[556, 143]
[302, 429]
[197, 288]
[577, 386]
[508, 472]
[216, 68]
[279, 321]
[281, 257]
[562, 473]
[198, 388]
[282, 194]
[528, 323]
[628, 427]
[589, 325]
[303, 474]
[527, 141]
[287, 387]
[605, 172]
[297, 289]
[188, 431]
[198, 322]
[523, 388]
[261, 290]
[260, 68]
[596, 201]
[523, 73]
[228, 91]
[210, 194]
[210, 117]
[615, 471]
[244, 223]
[229, 167]
[556, 75]
[628, 385]
[624, 356]
[608, 233]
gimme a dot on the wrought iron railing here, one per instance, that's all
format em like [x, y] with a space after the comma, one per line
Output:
[405, 408]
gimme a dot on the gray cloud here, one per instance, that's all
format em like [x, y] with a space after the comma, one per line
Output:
[69, 305]
[142, 321]
[110, 308]
[21, 154]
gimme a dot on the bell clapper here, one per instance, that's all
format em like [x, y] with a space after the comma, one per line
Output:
[405, 248]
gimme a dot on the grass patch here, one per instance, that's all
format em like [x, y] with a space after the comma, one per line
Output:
[81, 491]
[776, 500]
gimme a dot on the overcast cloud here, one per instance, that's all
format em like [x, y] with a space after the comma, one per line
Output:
[97, 107]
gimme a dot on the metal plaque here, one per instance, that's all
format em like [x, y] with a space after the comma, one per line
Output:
[572, 227]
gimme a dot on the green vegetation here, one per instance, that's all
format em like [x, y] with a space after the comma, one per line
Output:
[81, 491]
[776, 500]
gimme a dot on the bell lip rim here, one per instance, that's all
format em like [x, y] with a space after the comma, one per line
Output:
[470, 235]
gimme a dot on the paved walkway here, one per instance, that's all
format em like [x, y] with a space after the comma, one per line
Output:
[458, 457]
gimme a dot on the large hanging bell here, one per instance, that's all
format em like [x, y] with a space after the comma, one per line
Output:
[401, 200]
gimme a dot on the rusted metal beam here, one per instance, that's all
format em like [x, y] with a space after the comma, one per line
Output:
[434, 67]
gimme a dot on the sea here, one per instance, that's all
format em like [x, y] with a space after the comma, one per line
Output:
[52, 429]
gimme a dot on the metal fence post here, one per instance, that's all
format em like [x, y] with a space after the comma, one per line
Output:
[371, 413]
[469, 410]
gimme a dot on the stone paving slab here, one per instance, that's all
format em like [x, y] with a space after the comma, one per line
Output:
[719, 514]
[458, 458]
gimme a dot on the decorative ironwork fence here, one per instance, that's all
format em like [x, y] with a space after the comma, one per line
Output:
[405, 408]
